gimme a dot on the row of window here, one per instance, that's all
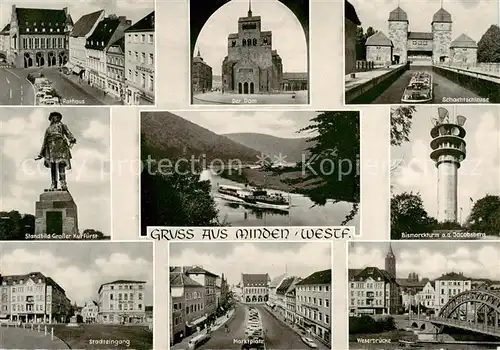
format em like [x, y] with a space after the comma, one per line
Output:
[42, 43]
[250, 42]
[419, 42]
[126, 307]
[39, 297]
[367, 302]
[255, 290]
[452, 291]
[455, 283]
[29, 307]
[361, 293]
[140, 57]
[194, 308]
[115, 73]
[140, 38]
[314, 301]
[35, 30]
[142, 80]
[126, 296]
[368, 285]
[119, 61]
[49, 24]
[313, 315]
[324, 288]
[39, 289]
[193, 295]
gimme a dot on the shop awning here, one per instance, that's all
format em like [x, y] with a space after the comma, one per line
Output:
[196, 322]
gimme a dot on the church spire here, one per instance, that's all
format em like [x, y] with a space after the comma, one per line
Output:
[199, 54]
[249, 8]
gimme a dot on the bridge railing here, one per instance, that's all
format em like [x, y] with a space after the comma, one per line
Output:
[485, 69]
[466, 324]
[39, 328]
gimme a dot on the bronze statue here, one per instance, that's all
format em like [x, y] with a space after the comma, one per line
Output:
[56, 150]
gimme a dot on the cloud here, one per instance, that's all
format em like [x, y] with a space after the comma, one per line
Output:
[469, 17]
[253, 258]
[288, 36]
[97, 131]
[474, 260]
[478, 174]
[80, 279]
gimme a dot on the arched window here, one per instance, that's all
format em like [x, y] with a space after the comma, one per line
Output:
[244, 42]
[254, 42]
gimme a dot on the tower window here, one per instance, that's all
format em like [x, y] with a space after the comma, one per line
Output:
[254, 42]
[233, 44]
[265, 41]
[244, 42]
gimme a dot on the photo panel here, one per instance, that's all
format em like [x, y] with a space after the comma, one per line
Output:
[73, 53]
[445, 173]
[221, 297]
[246, 52]
[423, 294]
[249, 168]
[109, 305]
[55, 173]
[421, 52]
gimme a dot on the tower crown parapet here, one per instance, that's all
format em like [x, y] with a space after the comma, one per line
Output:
[447, 143]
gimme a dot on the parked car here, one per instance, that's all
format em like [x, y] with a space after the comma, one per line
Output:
[309, 342]
[49, 101]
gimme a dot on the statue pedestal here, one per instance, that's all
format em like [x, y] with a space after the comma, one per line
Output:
[56, 214]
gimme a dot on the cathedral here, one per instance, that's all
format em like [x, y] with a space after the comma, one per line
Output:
[251, 65]
[402, 45]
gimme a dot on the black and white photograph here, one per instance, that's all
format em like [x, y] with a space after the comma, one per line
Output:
[445, 172]
[68, 295]
[424, 294]
[249, 52]
[55, 171]
[77, 53]
[249, 168]
[428, 51]
[221, 297]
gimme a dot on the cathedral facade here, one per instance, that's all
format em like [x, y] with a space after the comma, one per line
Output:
[434, 47]
[251, 65]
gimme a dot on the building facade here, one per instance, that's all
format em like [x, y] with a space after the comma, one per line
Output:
[281, 292]
[273, 286]
[5, 42]
[379, 49]
[351, 23]
[115, 61]
[107, 31]
[255, 288]
[201, 75]
[313, 307]
[208, 281]
[449, 285]
[464, 50]
[251, 65]
[39, 37]
[122, 302]
[90, 312]
[427, 296]
[291, 303]
[295, 81]
[33, 298]
[82, 29]
[431, 47]
[140, 62]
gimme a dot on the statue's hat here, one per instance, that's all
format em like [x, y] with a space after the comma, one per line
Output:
[55, 114]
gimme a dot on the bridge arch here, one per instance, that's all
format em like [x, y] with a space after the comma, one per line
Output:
[486, 298]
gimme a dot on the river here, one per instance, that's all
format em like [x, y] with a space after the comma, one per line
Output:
[302, 212]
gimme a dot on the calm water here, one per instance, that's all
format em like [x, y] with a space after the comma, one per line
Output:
[301, 213]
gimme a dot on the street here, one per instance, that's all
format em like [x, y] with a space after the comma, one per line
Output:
[249, 100]
[443, 88]
[278, 335]
[16, 91]
[19, 338]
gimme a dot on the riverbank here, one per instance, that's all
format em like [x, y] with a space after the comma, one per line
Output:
[267, 179]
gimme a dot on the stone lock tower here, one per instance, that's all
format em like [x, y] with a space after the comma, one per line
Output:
[441, 36]
[447, 151]
[398, 34]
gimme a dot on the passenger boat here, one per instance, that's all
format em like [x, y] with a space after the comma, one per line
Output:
[419, 89]
[254, 196]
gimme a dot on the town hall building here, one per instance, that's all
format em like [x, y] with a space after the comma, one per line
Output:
[251, 65]
[402, 45]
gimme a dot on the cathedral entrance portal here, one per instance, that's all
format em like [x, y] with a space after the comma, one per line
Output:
[245, 88]
[251, 88]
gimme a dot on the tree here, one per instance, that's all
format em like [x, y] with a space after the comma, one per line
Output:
[401, 121]
[408, 215]
[332, 169]
[484, 216]
[14, 225]
[361, 41]
[488, 47]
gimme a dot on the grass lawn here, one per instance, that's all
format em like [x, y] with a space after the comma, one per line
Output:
[126, 337]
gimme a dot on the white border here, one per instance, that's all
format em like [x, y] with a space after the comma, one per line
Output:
[354, 105]
[332, 292]
[216, 106]
[357, 232]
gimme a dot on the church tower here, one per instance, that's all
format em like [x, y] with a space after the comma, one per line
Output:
[398, 34]
[441, 36]
[390, 262]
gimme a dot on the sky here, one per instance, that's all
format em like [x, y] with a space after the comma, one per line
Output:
[430, 259]
[288, 36]
[81, 268]
[471, 17]
[234, 258]
[479, 172]
[276, 123]
[132, 9]
[24, 179]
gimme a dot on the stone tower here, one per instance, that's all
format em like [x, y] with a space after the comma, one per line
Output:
[441, 36]
[390, 262]
[398, 34]
[447, 151]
